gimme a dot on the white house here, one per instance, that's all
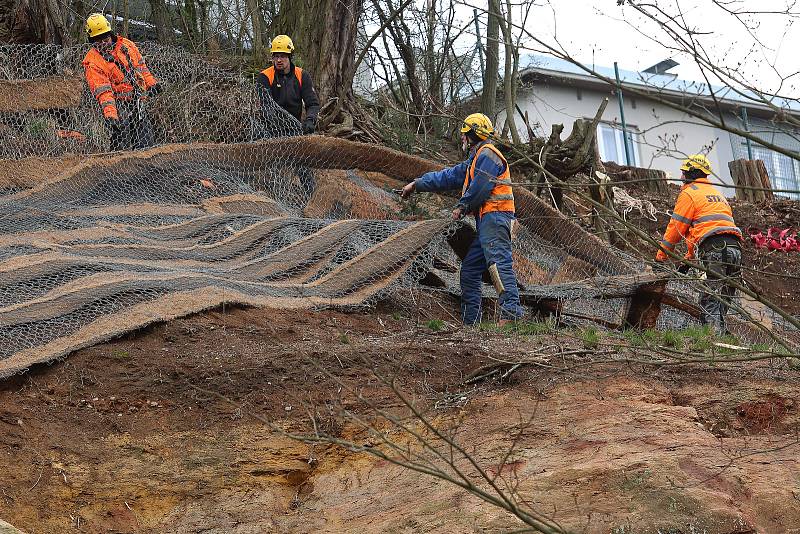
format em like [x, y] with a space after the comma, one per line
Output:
[555, 91]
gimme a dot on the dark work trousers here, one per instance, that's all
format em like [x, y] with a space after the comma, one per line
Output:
[491, 248]
[722, 257]
[274, 124]
[307, 184]
[135, 130]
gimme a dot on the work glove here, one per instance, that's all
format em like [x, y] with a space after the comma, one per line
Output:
[309, 126]
[157, 89]
[113, 124]
[408, 189]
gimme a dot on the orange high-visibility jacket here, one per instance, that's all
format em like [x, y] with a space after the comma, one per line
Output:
[269, 72]
[700, 212]
[111, 75]
[502, 196]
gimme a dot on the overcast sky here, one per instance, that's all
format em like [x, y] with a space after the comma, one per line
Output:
[599, 31]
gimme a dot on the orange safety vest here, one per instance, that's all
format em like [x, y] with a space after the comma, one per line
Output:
[700, 212]
[269, 72]
[111, 76]
[502, 196]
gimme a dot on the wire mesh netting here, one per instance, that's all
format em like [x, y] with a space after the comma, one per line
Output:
[232, 205]
[784, 172]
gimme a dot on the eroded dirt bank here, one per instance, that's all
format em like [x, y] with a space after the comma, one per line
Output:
[125, 437]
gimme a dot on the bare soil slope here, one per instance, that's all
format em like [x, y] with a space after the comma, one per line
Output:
[124, 436]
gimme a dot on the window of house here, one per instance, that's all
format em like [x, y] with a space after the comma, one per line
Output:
[784, 172]
[611, 145]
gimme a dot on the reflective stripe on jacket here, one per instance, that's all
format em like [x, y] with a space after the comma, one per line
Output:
[700, 212]
[116, 75]
[501, 197]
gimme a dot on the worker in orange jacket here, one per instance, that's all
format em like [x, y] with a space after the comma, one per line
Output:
[288, 85]
[703, 216]
[292, 89]
[484, 180]
[121, 82]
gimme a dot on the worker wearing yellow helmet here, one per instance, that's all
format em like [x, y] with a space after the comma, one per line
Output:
[120, 80]
[703, 216]
[289, 85]
[484, 179]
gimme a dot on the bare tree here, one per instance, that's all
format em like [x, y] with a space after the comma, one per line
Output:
[254, 12]
[324, 32]
[32, 21]
[509, 77]
[161, 20]
[489, 91]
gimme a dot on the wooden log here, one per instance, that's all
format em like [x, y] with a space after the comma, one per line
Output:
[645, 306]
[766, 183]
[754, 180]
[739, 175]
[751, 179]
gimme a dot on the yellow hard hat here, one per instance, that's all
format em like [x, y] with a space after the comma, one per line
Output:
[282, 43]
[97, 24]
[697, 161]
[478, 123]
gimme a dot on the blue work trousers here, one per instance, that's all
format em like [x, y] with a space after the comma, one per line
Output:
[492, 246]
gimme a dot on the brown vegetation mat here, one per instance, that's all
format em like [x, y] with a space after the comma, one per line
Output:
[122, 240]
[126, 437]
[40, 94]
[26, 173]
[290, 277]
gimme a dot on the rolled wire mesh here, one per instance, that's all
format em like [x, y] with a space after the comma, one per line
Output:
[229, 204]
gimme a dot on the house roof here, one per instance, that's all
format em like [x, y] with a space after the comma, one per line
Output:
[662, 84]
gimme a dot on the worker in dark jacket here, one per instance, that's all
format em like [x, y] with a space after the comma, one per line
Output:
[485, 183]
[120, 80]
[703, 216]
[289, 85]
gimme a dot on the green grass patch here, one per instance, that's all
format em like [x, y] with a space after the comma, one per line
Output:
[120, 354]
[435, 324]
[523, 328]
[672, 338]
[695, 339]
[590, 337]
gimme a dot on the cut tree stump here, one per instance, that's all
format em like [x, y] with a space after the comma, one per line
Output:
[751, 180]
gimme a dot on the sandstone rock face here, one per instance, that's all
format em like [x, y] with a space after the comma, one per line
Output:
[131, 436]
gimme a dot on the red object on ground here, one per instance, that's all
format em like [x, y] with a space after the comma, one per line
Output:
[70, 134]
[782, 239]
[759, 239]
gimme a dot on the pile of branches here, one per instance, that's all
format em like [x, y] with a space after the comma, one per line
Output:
[347, 119]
